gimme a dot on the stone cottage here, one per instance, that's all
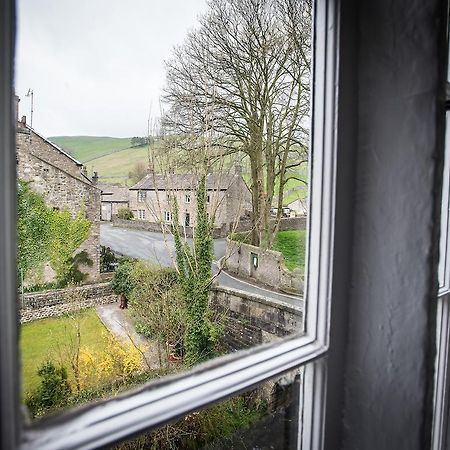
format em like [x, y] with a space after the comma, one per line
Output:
[228, 199]
[62, 181]
[114, 197]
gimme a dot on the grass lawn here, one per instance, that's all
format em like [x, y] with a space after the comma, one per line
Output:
[39, 341]
[292, 245]
[85, 148]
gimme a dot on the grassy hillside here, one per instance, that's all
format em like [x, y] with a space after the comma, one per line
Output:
[117, 165]
[86, 148]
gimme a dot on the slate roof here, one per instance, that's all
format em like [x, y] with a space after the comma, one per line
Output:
[183, 182]
[114, 193]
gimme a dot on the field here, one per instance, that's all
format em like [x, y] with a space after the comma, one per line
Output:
[292, 245]
[86, 148]
[116, 166]
[47, 338]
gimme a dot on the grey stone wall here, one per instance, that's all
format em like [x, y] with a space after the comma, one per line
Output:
[270, 271]
[53, 303]
[286, 223]
[42, 149]
[59, 180]
[251, 319]
[156, 227]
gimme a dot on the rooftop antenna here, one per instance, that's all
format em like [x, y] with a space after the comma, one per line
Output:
[30, 93]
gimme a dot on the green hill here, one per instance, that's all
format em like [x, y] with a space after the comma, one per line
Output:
[118, 164]
[87, 148]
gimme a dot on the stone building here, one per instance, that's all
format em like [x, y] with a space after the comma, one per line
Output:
[114, 197]
[62, 181]
[228, 199]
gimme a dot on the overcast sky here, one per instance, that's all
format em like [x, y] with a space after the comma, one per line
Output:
[96, 66]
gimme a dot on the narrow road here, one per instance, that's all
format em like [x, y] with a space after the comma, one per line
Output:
[159, 248]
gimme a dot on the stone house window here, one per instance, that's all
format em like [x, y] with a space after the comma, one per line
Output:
[141, 214]
[141, 196]
[187, 198]
[168, 216]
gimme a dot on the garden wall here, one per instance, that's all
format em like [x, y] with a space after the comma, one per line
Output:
[252, 319]
[264, 266]
[39, 305]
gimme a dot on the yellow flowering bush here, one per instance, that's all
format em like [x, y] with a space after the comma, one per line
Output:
[117, 361]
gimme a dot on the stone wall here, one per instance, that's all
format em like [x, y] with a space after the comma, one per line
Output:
[286, 223]
[46, 151]
[252, 319]
[156, 227]
[53, 303]
[264, 266]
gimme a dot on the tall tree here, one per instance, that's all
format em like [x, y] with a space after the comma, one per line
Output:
[243, 76]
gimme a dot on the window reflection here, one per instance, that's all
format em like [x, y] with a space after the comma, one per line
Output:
[248, 420]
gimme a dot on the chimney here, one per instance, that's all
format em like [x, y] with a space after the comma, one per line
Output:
[238, 169]
[16, 106]
[24, 120]
[95, 178]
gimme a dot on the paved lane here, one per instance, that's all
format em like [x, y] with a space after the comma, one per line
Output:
[160, 249]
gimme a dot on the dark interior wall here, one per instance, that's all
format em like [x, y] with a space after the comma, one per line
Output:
[391, 310]
[9, 387]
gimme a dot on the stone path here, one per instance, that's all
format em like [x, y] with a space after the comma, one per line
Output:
[121, 326]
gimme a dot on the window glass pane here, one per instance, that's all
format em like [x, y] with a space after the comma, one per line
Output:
[144, 255]
[246, 421]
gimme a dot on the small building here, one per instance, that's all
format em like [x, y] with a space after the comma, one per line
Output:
[63, 182]
[114, 197]
[228, 199]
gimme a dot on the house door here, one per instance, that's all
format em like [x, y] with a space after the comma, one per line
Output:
[187, 220]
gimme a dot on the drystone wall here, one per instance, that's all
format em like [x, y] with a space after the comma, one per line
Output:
[252, 319]
[264, 266]
[53, 303]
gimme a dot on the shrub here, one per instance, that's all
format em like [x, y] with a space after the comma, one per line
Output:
[117, 361]
[53, 392]
[125, 213]
[108, 260]
[75, 275]
[122, 282]
[157, 303]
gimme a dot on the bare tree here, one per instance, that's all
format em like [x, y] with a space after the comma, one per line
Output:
[245, 74]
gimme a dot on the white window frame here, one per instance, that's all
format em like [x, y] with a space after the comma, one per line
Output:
[157, 403]
[441, 399]
[141, 214]
[141, 196]
[187, 198]
[168, 216]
